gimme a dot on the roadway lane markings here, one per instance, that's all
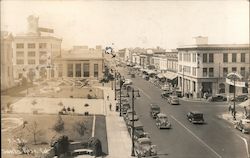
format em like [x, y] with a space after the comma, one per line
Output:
[245, 141]
[197, 137]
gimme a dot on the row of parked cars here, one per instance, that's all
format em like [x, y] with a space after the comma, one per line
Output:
[143, 146]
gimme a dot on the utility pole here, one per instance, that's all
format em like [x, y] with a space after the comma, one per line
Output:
[133, 129]
[234, 110]
[120, 96]
[183, 81]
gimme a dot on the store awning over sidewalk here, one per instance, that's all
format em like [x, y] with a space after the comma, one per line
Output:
[170, 75]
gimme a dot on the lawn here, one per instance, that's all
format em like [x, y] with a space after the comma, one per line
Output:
[45, 123]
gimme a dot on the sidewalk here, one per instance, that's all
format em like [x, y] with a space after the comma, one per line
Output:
[194, 99]
[119, 141]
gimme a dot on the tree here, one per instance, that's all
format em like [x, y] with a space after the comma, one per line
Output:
[59, 125]
[80, 127]
[34, 130]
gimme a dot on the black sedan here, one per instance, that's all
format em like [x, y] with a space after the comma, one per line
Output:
[217, 98]
[240, 98]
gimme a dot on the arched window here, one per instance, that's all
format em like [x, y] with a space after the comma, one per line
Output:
[221, 88]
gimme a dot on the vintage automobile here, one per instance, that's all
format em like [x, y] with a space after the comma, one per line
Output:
[128, 114]
[154, 110]
[128, 82]
[195, 117]
[129, 119]
[162, 121]
[173, 100]
[166, 94]
[243, 125]
[217, 98]
[124, 108]
[240, 98]
[139, 131]
[144, 148]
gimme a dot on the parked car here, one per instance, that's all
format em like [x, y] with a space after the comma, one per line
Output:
[195, 117]
[154, 110]
[144, 148]
[162, 121]
[129, 114]
[243, 125]
[139, 131]
[124, 108]
[128, 82]
[217, 98]
[240, 98]
[173, 100]
[129, 119]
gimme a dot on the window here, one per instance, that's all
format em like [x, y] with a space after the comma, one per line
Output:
[225, 71]
[242, 71]
[20, 54]
[194, 86]
[194, 57]
[31, 45]
[70, 70]
[78, 70]
[43, 55]
[86, 70]
[42, 45]
[204, 72]
[19, 61]
[194, 71]
[42, 61]
[234, 57]
[204, 58]
[31, 54]
[95, 70]
[242, 57]
[211, 72]
[60, 69]
[19, 45]
[225, 57]
[31, 61]
[234, 69]
[231, 89]
[211, 58]
[180, 56]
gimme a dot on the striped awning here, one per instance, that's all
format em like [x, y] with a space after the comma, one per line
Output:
[160, 75]
[170, 75]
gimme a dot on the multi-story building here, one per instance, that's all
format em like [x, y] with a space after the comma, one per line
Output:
[7, 79]
[135, 59]
[81, 62]
[203, 67]
[34, 51]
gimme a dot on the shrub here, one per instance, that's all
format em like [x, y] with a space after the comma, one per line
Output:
[59, 125]
[80, 127]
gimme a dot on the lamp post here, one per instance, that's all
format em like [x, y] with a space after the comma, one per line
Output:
[183, 81]
[115, 84]
[133, 113]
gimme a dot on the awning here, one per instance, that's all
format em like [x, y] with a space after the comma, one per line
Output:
[151, 72]
[160, 75]
[170, 75]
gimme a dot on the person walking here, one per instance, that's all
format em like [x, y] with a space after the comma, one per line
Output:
[110, 107]
[107, 97]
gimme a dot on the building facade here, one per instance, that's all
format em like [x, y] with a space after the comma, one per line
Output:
[7, 79]
[204, 67]
[81, 63]
[34, 52]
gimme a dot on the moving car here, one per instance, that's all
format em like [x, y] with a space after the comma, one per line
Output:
[173, 100]
[166, 94]
[154, 110]
[162, 121]
[243, 125]
[240, 98]
[195, 117]
[217, 98]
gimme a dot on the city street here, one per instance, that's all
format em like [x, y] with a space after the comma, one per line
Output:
[215, 138]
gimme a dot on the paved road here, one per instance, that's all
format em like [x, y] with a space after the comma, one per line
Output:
[215, 139]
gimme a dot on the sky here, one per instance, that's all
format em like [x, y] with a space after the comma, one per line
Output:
[146, 24]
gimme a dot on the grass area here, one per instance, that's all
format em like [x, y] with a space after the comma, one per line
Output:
[45, 123]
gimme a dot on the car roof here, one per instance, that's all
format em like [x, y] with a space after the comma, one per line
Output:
[245, 120]
[145, 139]
[161, 115]
[196, 112]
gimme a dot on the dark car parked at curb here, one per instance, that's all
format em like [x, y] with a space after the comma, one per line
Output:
[154, 110]
[217, 98]
[195, 117]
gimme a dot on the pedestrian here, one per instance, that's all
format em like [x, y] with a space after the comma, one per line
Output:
[229, 108]
[107, 97]
[73, 109]
[110, 107]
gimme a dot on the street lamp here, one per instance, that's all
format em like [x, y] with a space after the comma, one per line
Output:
[183, 81]
[133, 109]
